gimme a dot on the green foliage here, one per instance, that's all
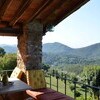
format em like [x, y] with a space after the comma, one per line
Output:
[80, 89]
[89, 72]
[77, 94]
[53, 72]
[45, 67]
[50, 28]
[72, 87]
[72, 60]
[82, 98]
[96, 82]
[67, 62]
[73, 77]
[9, 61]
[2, 52]
[61, 86]
[91, 75]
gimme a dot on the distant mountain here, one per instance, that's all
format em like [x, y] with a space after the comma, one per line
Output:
[92, 51]
[58, 54]
[9, 48]
[56, 48]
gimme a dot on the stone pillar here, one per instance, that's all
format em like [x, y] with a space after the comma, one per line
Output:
[30, 47]
[30, 55]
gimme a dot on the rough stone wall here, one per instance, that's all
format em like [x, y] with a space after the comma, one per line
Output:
[30, 47]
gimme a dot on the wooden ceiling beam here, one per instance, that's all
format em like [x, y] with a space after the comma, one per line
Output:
[3, 24]
[62, 13]
[46, 11]
[10, 30]
[50, 9]
[4, 8]
[57, 13]
[2, 2]
[21, 10]
[39, 10]
[69, 11]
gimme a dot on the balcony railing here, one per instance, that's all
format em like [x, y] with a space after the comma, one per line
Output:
[66, 81]
[7, 71]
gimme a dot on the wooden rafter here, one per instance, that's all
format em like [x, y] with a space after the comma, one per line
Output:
[55, 5]
[1, 2]
[71, 7]
[3, 23]
[10, 30]
[21, 10]
[39, 10]
[54, 14]
[69, 11]
[16, 13]
[4, 8]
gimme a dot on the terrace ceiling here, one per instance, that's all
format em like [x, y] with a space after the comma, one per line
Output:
[15, 13]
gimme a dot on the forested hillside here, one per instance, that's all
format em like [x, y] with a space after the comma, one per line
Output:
[92, 51]
[64, 57]
[59, 55]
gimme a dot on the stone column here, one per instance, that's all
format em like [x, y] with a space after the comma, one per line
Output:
[30, 55]
[30, 46]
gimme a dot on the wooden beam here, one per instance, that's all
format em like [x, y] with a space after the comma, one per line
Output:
[21, 10]
[2, 2]
[3, 24]
[62, 13]
[70, 11]
[50, 9]
[10, 30]
[39, 10]
[4, 7]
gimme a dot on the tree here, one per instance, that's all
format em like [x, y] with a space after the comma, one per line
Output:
[2, 52]
[92, 77]
[45, 67]
[8, 62]
[96, 82]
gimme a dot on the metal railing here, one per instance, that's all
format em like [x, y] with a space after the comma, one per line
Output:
[65, 80]
[7, 71]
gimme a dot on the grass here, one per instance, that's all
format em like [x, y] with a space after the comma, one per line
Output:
[61, 88]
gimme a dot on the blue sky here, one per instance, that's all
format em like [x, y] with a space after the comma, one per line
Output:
[80, 29]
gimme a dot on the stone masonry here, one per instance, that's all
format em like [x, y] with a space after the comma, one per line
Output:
[29, 55]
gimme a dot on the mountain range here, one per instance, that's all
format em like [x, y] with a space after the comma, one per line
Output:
[9, 48]
[57, 54]
[60, 54]
[92, 51]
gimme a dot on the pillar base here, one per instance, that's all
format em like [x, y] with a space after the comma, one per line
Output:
[36, 79]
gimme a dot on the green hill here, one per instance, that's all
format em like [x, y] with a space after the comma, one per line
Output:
[56, 48]
[57, 54]
[92, 51]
